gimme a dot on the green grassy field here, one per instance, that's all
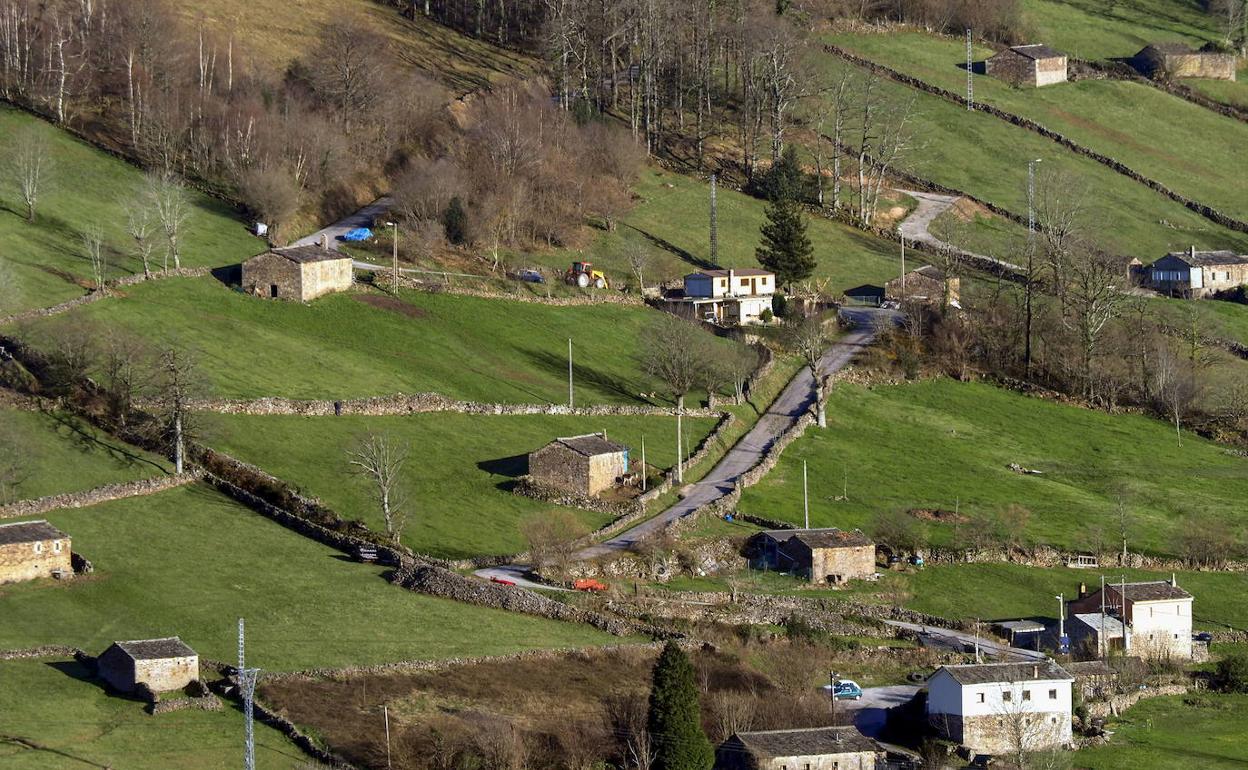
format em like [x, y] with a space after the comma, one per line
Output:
[190, 562]
[1233, 92]
[453, 477]
[63, 454]
[1087, 29]
[1179, 731]
[987, 157]
[943, 444]
[364, 343]
[85, 187]
[1192, 150]
[56, 704]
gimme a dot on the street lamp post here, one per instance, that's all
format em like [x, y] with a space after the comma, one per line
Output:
[1031, 256]
[1061, 618]
[394, 257]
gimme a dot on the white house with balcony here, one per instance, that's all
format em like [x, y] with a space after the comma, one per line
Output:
[1157, 616]
[992, 708]
[727, 297]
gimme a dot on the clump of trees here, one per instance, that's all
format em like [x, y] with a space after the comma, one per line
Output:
[684, 357]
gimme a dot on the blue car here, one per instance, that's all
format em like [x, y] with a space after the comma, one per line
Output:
[532, 276]
[357, 234]
[847, 689]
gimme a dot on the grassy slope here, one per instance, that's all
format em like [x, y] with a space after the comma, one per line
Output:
[1170, 732]
[987, 157]
[457, 508]
[1192, 150]
[1233, 92]
[85, 187]
[1088, 29]
[189, 562]
[942, 443]
[670, 220]
[341, 347]
[56, 704]
[61, 454]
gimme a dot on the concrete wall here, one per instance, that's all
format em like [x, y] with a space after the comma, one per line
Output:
[30, 561]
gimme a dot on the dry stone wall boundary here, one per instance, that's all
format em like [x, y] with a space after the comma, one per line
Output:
[421, 403]
[97, 495]
[385, 277]
[97, 295]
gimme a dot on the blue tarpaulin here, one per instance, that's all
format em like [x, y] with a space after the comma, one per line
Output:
[358, 234]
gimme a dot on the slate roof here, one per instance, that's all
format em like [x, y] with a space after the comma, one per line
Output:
[1155, 591]
[814, 741]
[306, 254]
[987, 673]
[1037, 51]
[1021, 626]
[29, 532]
[1084, 668]
[591, 444]
[830, 537]
[155, 649]
[745, 271]
[1209, 258]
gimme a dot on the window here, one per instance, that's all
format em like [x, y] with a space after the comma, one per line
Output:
[56, 546]
[1026, 694]
[38, 547]
[1052, 694]
[1007, 696]
[981, 697]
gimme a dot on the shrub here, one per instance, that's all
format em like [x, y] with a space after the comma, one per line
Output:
[1231, 675]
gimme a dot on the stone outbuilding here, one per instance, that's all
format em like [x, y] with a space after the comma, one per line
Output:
[584, 465]
[1180, 60]
[33, 549]
[826, 556]
[926, 285]
[1028, 65]
[161, 665]
[814, 748]
[1195, 274]
[299, 272]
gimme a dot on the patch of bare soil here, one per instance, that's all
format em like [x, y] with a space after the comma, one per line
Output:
[938, 515]
[966, 210]
[392, 304]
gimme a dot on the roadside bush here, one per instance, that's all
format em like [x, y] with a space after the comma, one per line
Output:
[1231, 674]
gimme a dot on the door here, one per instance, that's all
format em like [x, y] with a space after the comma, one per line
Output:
[273, 290]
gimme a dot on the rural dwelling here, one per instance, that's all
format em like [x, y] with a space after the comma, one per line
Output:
[926, 285]
[1179, 60]
[992, 708]
[33, 549]
[160, 664]
[821, 555]
[1196, 274]
[584, 465]
[298, 272]
[727, 297]
[1156, 616]
[813, 748]
[1028, 65]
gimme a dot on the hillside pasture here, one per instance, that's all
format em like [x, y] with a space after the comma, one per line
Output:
[190, 562]
[458, 476]
[1088, 29]
[1205, 731]
[946, 445]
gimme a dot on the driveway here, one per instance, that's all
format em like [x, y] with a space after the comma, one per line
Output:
[870, 712]
[931, 205]
[362, 218]
[960, 641]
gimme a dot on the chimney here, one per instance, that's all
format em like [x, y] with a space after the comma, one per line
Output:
[325, 241]
[1191, 251]
[1035, 671]
[1083, 590]
[732, 281]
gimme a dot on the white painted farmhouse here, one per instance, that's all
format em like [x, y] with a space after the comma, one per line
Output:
[1157, 616]
[994, 708]
[730, 297]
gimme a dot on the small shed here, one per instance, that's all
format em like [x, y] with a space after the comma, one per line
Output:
[160, 664]
[813, 748]
[33, 549]
[300, 273]
[925, 285]
[584, 465]
[1028, 65]
[866, 294]
[1021, 633]
[1180, 60]
[828, 555]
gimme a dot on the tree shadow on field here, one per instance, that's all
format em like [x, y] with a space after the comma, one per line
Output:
[583, 375]
[672, 248]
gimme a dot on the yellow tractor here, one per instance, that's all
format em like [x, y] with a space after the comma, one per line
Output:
[584, 275]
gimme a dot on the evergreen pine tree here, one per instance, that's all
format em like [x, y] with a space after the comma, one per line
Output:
[784, 180]
[674, 721]
[786, 250]
[455, 222]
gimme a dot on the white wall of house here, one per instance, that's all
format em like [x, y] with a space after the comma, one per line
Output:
[1162, 628]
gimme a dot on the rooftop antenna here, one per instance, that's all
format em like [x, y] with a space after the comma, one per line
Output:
[247, 688]
[970, 86]
[714, 222]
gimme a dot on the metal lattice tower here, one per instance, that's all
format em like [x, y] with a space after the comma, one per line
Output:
[247, 689]
[714, 224]
[970, 73]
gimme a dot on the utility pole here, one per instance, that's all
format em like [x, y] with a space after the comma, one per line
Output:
[834, 681]
[977, 660]
[805, 496]
[970, 85]
[247, 689]
[394, 258]
[903, 268]
[571, 405]
[1031, 257]
[714, 222]
[680, 453]
[643, 462]
[1061, 618]
[1102, 642]
[385, 712]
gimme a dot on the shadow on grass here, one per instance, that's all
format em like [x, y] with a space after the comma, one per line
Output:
[512, 467]
[88, 441]
[584, 376]
[672, 248]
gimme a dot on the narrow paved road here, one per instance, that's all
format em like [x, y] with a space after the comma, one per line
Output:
[362, 218]
[960, 641]
[931, 205]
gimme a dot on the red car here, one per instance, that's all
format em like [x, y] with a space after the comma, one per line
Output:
[502, 581]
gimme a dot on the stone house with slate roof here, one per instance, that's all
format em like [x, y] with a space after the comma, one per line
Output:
[585, 465]
[1157, 616]
[1180, 60]
[1195, 273]
[821, 555]
[159, 664]
[1028, 65]
[815, 748]
[300, 272]
[33, 549]
[992, 707]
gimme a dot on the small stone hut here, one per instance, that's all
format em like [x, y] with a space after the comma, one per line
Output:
[300, 272]
[33, 549]
[1028, 65]
[1179, 60]
[926, 285]
[584, 465]
[827, 555]
[160, 664]
[814, 748]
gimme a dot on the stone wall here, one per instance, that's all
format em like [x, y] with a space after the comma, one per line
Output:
[559, 467]
[265, 271]
[1011, 67]
[97, 495]
[1116, 704]
[847, 563]
[208, 702]
[521, 294]
[46, 651]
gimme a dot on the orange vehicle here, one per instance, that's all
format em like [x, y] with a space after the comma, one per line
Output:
[589, 584]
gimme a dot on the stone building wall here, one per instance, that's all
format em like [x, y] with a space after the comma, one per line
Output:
[604, 470]
[850, 563]
[1000, 733]
[264, 271]
[1217, 66]
[1012, 68]
[165, 674]
[1051, 71]
[555, 465]
[320, 278]
[20, 561]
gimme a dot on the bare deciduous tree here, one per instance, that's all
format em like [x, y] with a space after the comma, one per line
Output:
[29, 166]
[1174, 387]
[1092, 298]
[551, 537]
[671, 352]
[380, 459]
[14, 466]
[141, 229]
[176, 384]
[93, 250]
[168, 198]
[809, 339]
[638, 257]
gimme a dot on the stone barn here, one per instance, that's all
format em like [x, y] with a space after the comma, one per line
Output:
[1028, 65]
[822, 555]
[926, 285]
[814, 748]
[300, 272]
[33, 549]
[1179, 60]
[160, 664]
[1195, 274]
[585, 465]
